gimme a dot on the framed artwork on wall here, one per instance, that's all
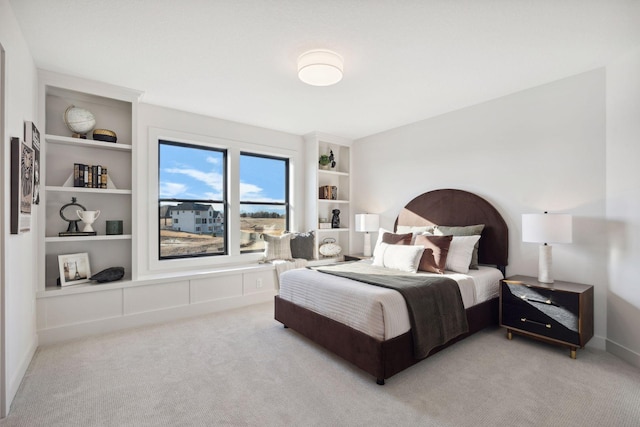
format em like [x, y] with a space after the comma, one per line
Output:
[32, 137]
[74, 269]
[21, 186]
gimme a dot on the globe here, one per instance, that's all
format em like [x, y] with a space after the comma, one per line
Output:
[79, 120]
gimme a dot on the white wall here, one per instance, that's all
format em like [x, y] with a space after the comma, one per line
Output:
[155, 122]
[19, 275]
[623, 207]
[535, 150]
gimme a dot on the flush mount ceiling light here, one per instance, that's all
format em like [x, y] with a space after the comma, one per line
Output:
[320, 67]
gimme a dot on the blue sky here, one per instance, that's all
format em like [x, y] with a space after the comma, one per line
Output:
[194, 173]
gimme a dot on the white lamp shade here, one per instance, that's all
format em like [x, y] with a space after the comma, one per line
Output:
[547, 228]
[367, 222]
[320, 67]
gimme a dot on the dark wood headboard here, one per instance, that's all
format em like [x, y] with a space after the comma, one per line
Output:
[459, 208]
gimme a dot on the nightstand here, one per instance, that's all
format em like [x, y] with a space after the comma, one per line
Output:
[559, 312]
[356, 257]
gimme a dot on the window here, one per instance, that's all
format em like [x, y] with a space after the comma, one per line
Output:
[264, 199]
[191, 181]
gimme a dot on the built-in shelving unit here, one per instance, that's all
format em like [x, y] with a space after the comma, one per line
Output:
[339, 176]
[114, 109]
[87, 308]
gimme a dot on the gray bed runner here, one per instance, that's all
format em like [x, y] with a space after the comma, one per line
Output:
[436, 312]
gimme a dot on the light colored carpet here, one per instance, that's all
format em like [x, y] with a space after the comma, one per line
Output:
[242, 368]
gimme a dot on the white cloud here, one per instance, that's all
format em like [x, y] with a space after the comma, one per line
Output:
[172, 189]
[213, 160]
[211, 179]
[254, 193]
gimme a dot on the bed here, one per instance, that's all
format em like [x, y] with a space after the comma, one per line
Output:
[385, 355]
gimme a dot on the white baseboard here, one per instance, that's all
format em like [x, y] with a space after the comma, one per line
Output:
[623, 353]
[16, 379]
[79, 330]
[597, 342]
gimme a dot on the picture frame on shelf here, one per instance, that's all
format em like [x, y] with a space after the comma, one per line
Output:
[74, 269]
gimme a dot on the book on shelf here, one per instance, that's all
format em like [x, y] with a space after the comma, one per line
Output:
[89, 176]
[328, 192]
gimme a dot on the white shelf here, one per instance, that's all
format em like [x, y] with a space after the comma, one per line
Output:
[332, 172]
[86, 190]
[78, 142]
[332, 201]
[58, 239]
[328, 230]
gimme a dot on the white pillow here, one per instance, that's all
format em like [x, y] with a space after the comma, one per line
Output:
[460, 252]
[398, 257]
[277, 247]
[379, 241]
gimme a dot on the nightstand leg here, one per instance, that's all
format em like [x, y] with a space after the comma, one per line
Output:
[509, 334]
[573, 352]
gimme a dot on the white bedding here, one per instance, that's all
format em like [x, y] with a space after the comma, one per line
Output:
[376, 311]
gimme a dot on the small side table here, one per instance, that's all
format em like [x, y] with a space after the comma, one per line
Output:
[356, 257]
[559, 312]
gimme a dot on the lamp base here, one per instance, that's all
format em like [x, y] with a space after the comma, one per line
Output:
[367, 244]
[545, 264]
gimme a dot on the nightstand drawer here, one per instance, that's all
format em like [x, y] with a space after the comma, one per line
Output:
[520, 292]
[556, 323]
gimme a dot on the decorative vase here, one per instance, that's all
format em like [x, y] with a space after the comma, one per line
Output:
[335, 219]
[88, 217]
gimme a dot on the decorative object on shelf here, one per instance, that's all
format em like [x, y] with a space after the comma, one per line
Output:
[335, 219]
[110, 274]
[320, 67]
[327, 161]
[72, 228]
[74, 269]
[367, 223]
[323, 223]
[329, 247]
[114, 227]
[104, 135]
[328, 192]
[88, 217]
[332, 159]
[79, 121]
[546, 228]
[21, 186]
[324, 162]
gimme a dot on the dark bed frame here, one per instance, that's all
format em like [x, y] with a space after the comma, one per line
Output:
[382, 359]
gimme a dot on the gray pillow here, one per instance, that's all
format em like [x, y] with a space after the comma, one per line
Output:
[470, 230]
[302, 245]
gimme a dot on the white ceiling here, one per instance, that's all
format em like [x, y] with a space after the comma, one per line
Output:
[404, 60]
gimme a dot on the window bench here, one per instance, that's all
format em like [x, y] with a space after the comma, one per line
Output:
[70, 312]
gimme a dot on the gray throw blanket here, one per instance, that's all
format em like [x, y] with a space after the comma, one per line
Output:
[435, 307]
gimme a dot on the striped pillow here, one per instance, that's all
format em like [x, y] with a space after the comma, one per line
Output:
[277, 247]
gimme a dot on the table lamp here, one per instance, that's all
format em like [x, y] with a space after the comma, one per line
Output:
[367, 223]
[546, 228]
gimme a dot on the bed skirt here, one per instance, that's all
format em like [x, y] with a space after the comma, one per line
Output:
[382, 359]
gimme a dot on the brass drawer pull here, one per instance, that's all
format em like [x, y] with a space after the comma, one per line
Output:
[547, 325]
[525, 298]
